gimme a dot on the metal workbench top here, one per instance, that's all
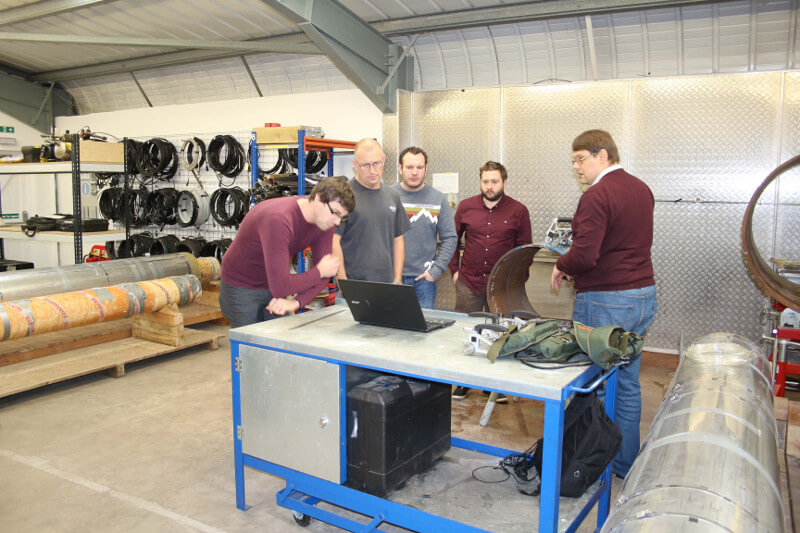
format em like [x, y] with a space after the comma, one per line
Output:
[331, 333]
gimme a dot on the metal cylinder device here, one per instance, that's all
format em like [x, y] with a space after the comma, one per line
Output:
[42, 281]
[710, 460]
[22, 318]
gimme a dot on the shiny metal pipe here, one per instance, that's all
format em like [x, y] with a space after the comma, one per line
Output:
[710, 461]
[43, 281]
[22, 318]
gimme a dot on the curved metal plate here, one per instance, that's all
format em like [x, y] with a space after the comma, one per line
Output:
[505, 290]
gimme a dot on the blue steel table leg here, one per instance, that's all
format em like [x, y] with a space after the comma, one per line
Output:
[604, 504]
[238, 459]
[551, 464]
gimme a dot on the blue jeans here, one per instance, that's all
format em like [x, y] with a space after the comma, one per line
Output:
[426, 290]
[633, 310]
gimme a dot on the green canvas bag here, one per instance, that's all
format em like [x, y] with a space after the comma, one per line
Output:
[555, 341]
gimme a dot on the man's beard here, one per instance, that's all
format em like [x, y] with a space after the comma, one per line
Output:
[496, 196]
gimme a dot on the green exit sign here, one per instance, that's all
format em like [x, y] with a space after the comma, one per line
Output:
[6, 129]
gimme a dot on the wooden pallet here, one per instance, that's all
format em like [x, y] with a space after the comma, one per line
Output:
[110, 356]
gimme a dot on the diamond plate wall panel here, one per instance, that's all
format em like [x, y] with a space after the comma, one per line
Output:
[539, 124]
[389, 143]
[708, 141]
[705, 138]
[703, 284]
[790, 137]
[460, 131]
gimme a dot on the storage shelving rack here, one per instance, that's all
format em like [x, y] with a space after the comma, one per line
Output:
[303, 143]
[75, 168]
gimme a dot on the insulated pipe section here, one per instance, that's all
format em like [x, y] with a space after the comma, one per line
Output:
[42, 281]
[505, 290]
[710, 461]
[22, 318]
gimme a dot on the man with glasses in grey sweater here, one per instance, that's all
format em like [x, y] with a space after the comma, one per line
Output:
[430, 215]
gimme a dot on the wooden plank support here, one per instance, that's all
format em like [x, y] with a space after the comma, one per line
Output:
[164, 326]
[110, 356]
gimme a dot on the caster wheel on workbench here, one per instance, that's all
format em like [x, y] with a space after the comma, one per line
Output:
[301, 519]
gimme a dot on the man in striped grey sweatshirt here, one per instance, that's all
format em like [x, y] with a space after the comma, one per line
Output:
[430, 215]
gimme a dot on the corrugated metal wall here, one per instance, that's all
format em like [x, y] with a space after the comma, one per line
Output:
[703, 145]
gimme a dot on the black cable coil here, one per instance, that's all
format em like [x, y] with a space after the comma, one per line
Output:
[161, 204]
[229, 206]
[315, 159]
[136, 201]
[216, 248]
[136, 246]
[131, 151]
[234, 161]
[108, 203]
[193, 245]
[157, 159]
[164, 245]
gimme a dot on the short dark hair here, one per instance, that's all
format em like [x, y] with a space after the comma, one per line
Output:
[595, 140]
[415, 150]
[494, 165]
[332, 189]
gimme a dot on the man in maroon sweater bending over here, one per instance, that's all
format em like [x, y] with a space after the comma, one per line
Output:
[612, 232]
[256, 282]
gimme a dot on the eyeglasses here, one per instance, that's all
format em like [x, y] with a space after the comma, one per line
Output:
[342, 218]
[374, 166]
[579, 160]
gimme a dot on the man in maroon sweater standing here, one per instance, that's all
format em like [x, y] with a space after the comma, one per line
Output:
[612, 232]
[492, 223]
[256, 281]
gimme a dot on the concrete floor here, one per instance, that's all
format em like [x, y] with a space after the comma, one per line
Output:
[152, 451]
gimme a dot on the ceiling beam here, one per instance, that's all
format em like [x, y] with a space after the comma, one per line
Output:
[24, 101]
[191, 44]
[522, 12]
[44, 8]
[369, 59]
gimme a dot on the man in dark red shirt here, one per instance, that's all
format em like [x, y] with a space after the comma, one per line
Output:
[612, 232]
[256, 280]
[492, 223]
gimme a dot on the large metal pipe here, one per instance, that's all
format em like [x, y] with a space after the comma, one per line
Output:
[22, 318]
[710, 461]
[42, 281]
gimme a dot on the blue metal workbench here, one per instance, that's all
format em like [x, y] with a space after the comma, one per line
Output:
[289, 385]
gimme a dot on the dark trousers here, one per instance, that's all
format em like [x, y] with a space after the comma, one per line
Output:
[243, 307]
[469, 302]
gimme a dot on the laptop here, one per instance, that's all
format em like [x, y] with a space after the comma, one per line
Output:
[388, 305]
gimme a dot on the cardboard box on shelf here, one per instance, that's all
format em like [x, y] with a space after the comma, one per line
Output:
[100, 152]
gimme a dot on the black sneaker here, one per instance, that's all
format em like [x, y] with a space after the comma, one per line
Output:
[501, 398]
[460, 393]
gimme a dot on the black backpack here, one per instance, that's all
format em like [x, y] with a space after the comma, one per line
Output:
[591, 440]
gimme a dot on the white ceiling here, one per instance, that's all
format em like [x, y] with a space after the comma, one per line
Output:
[721, 37]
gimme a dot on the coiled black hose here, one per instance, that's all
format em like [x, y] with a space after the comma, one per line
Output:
[216, 248]
[193, 245]
[164, 245]
[229, 206]
[136, 246]
[157, 159]
[161, 206]
[108, 203]
[234, 157]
